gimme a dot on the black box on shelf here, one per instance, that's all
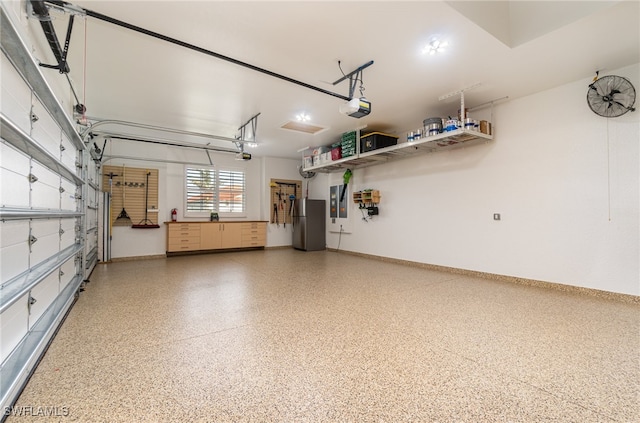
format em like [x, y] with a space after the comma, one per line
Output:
[376, 140]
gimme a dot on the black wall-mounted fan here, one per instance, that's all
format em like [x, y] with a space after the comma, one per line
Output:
[611, 96]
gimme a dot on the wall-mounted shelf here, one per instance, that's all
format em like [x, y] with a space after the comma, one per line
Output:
[366, 197]
[444, 141]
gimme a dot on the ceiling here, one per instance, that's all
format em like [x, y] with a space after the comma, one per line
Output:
[510, 48]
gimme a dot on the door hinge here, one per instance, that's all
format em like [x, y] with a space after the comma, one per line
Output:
[32, 240]
[31, 302]
[34, 117]
[32, 178]
[61, 190]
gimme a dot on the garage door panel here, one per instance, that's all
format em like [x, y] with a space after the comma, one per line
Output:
[13, 232]
[44, 294]
[15, 189]
[15, 94]
[68, 153]
[92, 240]
[68, 196]
[67, 235]
[92, 172]
[92, 197]
[14, 160]
[14, 171]
[14, 249]
[92, 220]
[67, 272]
[14, 323]
[45, 131]
[45, 192]
[47, 233]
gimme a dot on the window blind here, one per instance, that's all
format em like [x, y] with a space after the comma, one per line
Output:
[210, 190]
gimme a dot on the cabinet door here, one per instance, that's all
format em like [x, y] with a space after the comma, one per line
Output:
[231, 235]
[210, 236]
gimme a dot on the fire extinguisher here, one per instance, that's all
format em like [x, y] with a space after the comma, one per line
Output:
[174, 215]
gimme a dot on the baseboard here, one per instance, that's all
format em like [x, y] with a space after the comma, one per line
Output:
[624, 298]
[133, 258]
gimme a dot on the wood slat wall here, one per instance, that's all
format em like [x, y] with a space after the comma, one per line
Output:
[128, 188]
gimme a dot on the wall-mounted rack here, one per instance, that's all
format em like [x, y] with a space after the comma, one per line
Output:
[441, 142]
[368, 200]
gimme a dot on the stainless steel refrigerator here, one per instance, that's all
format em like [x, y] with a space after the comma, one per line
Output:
[309, 225]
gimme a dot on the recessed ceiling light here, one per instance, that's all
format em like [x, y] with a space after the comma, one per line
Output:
[303, 117]
[435, 46]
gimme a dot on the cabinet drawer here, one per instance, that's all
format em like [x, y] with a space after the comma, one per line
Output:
[248, 237]
[254, 230]
[254, 227]
[253, 243]
[184, 233]
[184, 239]
[183, 246]
[184, 227]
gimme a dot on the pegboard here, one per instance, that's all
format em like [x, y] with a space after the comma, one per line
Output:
[128, 187]
[283, 191]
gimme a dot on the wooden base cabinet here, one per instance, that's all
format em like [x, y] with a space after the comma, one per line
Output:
[254, 234]
[183, 237]
[204, 236]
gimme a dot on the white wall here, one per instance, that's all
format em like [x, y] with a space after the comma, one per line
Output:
[565, 181]
[128, 242]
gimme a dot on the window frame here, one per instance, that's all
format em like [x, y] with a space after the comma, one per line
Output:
[217, 170]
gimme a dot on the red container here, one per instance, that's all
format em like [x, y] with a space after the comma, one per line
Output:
[336, 153]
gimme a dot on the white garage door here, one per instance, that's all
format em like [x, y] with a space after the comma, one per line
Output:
[43, 212]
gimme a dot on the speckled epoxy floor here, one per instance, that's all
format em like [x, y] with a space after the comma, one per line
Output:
[289, 336]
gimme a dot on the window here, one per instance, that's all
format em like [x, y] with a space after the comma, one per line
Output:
[218, 190]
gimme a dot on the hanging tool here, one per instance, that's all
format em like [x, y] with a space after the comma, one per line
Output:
[123, 218]
[146, 223]
[110, 175]
[275, 214]
[292, 200]
[345, 178]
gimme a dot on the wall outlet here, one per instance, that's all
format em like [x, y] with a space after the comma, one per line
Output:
[496, 216]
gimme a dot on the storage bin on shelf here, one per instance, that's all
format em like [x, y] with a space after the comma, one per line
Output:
[336, 151]
[307, 161]
[376, 140]
[348, 144]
